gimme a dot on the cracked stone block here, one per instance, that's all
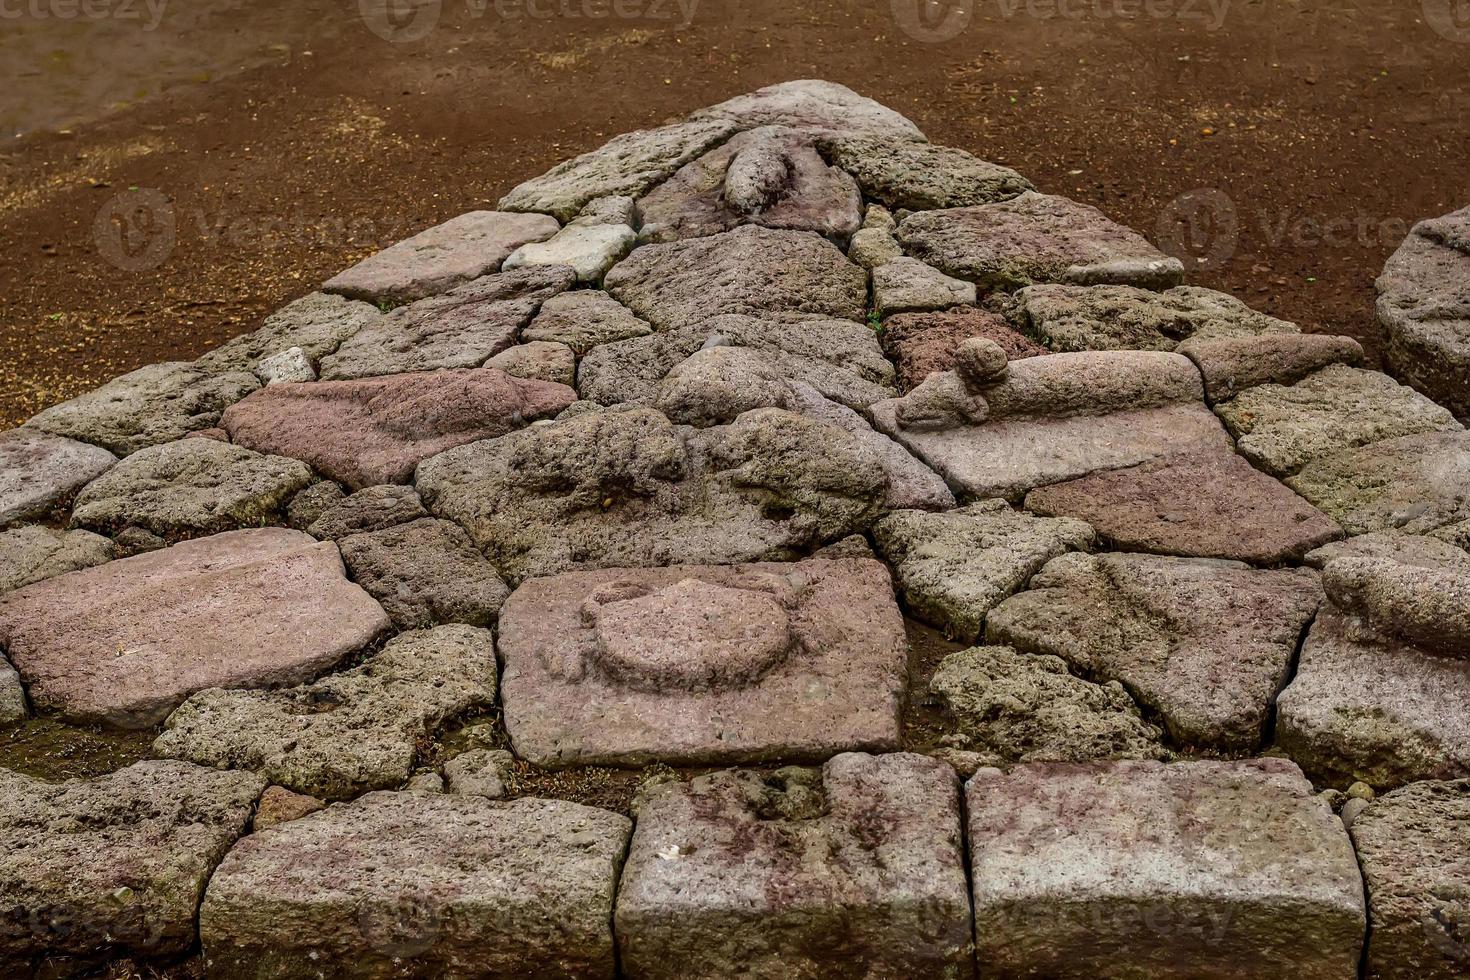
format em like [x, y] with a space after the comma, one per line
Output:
[1203, 643]
[361, 729]
[94, 869]
[310, 504]
[1141, 869]
[125, 643]
[718, 384]
[1424, 603]
[191, 487]
[33, 554]
[906, 285]
[1230, 365]
[1415, 484]
[371, 509]
[750, 270]
[1415, 856]
[376, 430]
[425, 573]
[953, 568]
[1424, 307]
[872, 247]
[462, 328]
[1412, 549]
[152, 405]
[1035, 238]
[287, 367]
[440, 258]
[1009, 708]
[588, 250]
[479, 772]
[583, 319]
[424, 885]
[40, 473]
[703, 665]
[615, 209]
[538, 360]
[922, 344]
[628, 488]
[858, 864]
[1281, 429]
[905, 173]
[316, 324]
[1209, 504]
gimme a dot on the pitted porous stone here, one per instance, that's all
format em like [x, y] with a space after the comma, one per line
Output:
[922, 344]
[279, 805]
[376, 430]
[628, 165]
[440, 258]
[1144, 870]
[1409, 549]
[1415, 484]
[1282, 429]
[39, 473]
[872, 247]
[371, 509]
[750, 270]
[904, 173]
[358, 730]
[13, 703]
[702, 664]
[631, 489]
[615, 209]
[539, 360]
[716, 384]
[588, 250]
[856, 869]
[124, 643]
[583, 319]
[1010, 707]
[1210, 504]
[287, 367]
[1080, 318]
[425, 573]
[1410, 601]
[811, 102]
[1035, 238]
[479, 772]
[310, 504]
[1049, 419]
[1424, 306]
[1206, 644]
[1415, 855]
[420, 885]
[152, 405]
[191, 487]
[33, 554]
[316, 324]
[1230, 365]
[769, 176]
[907, 285]
[463, 328]
[94, 869]
[953, 568]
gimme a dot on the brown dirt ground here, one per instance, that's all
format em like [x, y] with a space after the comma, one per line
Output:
[290, 141]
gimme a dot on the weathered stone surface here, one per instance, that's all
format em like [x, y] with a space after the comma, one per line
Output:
[1282, 429]
[371, 509]
[953, 568]
[154, 404]
[856, 867]
[1230, 365]
[13, 704]
[1035, 238]
[1080, 318]
[703, 665]
[750, 270]
[588, 250]
[630, 489]
[1415, 856]
[479, 772]
[425, 573]
[32, 554]
[191, 487]
[1204, 643]
[287, 367]
[814, 103]
[1424, 306]
[1411, 549]
[872, 247]
[1142, 869]
[409, 884]
[1048, 419]
[615, 209]
[717, 384]
[1209, 504]
[310, 504]
[440, 258]
[629, 164]
[463, 328]
[907, 285]
[1421, 603]
[539, 360]
[1010, 707]
[376, 430]
[922, 344]
[279, 805]
[124, 643]
[93, 869]
[583, 319]
[904, 173]
[1416, 484]
[349, 732]
[40, 472]
[769, 176]
[317, 324]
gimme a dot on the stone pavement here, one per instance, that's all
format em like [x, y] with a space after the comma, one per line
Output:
[656, 468]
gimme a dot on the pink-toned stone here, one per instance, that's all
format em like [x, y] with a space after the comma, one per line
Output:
[376, 430]
[126, 642]
[922, 343]
[703, 664]
[279, 805]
